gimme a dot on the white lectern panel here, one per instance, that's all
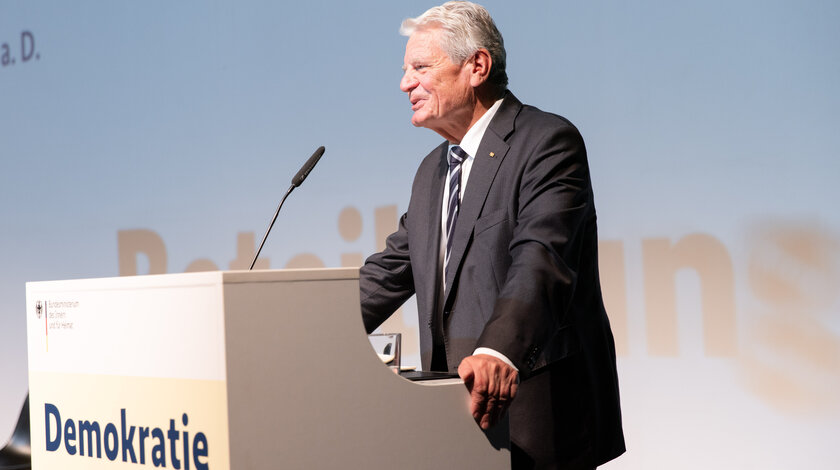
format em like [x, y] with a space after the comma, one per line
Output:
[242, 370]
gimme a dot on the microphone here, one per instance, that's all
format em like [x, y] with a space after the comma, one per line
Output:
[296, 181]
[307, 167]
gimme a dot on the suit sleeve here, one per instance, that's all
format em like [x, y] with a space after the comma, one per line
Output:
[553, 208]
[386, 280]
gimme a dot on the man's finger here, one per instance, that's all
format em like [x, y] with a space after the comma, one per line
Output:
[478, 392]
[491, 413]
[466, 372]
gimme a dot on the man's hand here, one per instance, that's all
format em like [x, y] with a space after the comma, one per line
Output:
[492, 385]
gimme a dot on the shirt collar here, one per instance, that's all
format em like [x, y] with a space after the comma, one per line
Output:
[473, 137]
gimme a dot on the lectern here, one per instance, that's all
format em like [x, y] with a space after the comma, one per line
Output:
[230, 370]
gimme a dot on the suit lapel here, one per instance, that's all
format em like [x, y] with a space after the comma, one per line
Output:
[432, 201]
[491, 152]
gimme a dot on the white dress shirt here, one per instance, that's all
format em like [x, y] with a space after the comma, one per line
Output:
[470, 143]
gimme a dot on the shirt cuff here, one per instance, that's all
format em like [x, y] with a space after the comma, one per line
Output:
[497, 355]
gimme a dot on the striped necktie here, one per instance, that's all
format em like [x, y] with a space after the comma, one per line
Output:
[456, 158]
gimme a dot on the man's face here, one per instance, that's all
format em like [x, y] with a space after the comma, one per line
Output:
[440, 92]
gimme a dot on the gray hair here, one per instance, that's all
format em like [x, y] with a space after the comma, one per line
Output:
[467, 27]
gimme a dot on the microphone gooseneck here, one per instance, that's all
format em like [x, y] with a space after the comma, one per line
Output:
[296, 181]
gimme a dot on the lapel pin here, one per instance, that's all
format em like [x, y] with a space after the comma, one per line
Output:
[492, 154]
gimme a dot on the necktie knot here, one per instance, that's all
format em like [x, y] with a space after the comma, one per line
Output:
[456, 156]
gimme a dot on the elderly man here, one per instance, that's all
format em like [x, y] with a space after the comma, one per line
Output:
[499, 244]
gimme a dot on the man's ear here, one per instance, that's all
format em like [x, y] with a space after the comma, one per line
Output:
[480, 67]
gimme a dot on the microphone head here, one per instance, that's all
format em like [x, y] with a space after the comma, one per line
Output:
[307, 167]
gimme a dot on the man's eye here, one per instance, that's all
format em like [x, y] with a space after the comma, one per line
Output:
[419, 67]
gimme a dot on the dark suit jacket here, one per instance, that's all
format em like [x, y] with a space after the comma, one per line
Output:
[523, 280]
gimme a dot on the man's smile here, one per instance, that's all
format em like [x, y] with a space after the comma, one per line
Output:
[416, 103]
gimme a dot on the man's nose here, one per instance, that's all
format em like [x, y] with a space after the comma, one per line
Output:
[408, 82]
